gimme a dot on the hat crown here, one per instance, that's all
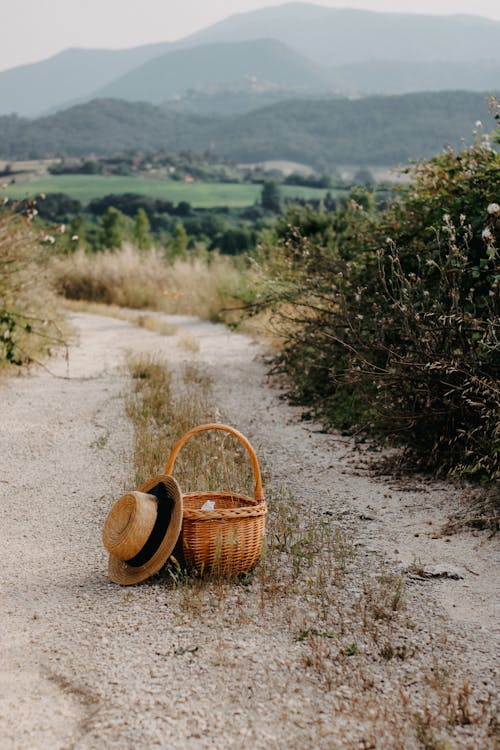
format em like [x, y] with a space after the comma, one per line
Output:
[129, 524]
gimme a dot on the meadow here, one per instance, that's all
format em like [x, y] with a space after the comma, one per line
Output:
[199, 194]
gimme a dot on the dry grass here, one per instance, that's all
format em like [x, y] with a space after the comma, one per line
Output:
[349, 628]
[156, 325]
[146, 280]
[162, 409]
[189, 343]
[209, 287]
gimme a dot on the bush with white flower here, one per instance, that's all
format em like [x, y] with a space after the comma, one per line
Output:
[29, 325]
[391, 321]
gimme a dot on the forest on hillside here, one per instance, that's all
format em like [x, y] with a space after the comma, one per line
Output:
[323, 133]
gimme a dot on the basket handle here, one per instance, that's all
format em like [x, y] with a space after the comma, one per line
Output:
[258, 493]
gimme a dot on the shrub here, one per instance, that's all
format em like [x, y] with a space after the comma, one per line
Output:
[390, 322]
[57, 207]
[28, 324]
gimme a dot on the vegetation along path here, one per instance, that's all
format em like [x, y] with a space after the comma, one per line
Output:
[364, 626]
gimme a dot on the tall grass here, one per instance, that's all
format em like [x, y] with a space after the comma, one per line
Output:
[146, 280]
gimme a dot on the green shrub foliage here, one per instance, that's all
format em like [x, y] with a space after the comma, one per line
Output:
[391, 321]
[28, 323]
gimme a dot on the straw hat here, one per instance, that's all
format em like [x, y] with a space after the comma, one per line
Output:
[142, 529]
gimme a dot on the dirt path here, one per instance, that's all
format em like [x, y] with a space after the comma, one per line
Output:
[86, 664]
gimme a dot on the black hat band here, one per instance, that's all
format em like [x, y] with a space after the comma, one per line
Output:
[165, 506]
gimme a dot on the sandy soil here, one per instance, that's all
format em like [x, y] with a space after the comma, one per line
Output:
[86, 664]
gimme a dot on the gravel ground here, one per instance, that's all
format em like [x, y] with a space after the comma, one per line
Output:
[86, 664]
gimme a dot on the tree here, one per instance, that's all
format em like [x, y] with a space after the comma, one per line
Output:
[141, 230]
[183, 208]
[270, 197]
[58, 207]
[112, 233]
[235, 240]
[179, 243]
[363, 176]
[329, 202]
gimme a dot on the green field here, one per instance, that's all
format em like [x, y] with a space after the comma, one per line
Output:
[199, 194]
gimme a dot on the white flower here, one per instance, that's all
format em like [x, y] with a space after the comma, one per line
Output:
[479, 124]
[486, 234]
[493, 209]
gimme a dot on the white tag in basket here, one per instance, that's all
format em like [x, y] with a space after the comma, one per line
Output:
[208, 505]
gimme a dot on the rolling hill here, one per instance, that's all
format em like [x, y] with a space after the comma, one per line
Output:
[373, 130]
[323, 133]
[99, 127]
[260, 64]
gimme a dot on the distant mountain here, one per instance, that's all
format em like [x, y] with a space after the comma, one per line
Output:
[338, 36]
[386, 77]
[31, 90]
[323, 134]
[257, 65]
[296, 47]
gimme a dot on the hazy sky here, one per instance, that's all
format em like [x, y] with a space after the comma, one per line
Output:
[35, 29]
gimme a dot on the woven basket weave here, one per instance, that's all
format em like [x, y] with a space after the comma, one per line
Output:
[228, 539]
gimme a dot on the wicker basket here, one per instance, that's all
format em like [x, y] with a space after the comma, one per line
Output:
[228, 539]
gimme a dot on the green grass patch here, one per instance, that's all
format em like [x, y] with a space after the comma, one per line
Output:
[199, 194]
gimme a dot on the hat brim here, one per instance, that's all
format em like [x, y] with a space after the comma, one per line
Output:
[126, 575]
